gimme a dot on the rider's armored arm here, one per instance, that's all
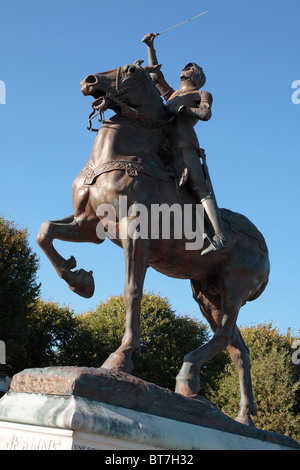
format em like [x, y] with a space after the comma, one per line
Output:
[152, 59]
[202, 111]
[164, 88]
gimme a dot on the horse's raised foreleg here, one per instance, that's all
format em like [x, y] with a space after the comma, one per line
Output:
[71, 229]
[136, 263]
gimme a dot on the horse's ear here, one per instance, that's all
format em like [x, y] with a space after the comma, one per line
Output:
[138, 63]
[152, 68]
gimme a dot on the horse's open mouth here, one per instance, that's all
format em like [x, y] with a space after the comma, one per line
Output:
[98, 95]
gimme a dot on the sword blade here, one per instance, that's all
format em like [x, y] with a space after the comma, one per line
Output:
[183, 22]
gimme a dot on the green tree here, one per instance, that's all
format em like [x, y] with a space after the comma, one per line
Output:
[165, 339]
[18, 288]
[275, 381]
[50, 330]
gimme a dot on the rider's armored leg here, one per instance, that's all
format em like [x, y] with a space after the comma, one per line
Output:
[219, 241]
[201, 189]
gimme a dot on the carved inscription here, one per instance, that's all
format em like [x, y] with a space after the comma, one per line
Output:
[27, 442]
[82, 447]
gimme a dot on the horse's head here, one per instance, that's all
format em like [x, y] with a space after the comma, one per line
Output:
[130, 84]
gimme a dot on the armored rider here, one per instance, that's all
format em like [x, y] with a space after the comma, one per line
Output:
[189, 105]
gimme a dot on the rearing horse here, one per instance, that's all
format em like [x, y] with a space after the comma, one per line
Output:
[126, 160]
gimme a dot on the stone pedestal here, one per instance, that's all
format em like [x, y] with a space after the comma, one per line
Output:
[81, 409]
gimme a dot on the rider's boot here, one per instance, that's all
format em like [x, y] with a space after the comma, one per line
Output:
[219, 241]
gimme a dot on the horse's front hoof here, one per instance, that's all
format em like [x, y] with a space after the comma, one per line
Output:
[81, 282]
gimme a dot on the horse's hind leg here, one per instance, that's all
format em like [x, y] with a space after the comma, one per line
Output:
[72, 229]
[188, 381]
[239, 354]
[221, 313]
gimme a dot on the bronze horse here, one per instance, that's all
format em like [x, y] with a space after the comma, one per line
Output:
[126, 160]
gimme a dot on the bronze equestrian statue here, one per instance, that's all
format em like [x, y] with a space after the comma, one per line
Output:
[127, 159]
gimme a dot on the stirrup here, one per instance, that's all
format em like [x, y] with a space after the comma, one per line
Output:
[218, 243]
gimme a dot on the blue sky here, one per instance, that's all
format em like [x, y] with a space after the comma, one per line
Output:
[250, 53]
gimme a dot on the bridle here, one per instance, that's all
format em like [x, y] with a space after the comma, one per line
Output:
[123, 87]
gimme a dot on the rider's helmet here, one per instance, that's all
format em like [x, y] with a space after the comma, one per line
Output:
[195, 73]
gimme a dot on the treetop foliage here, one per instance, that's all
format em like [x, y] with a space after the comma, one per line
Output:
[18, 289]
